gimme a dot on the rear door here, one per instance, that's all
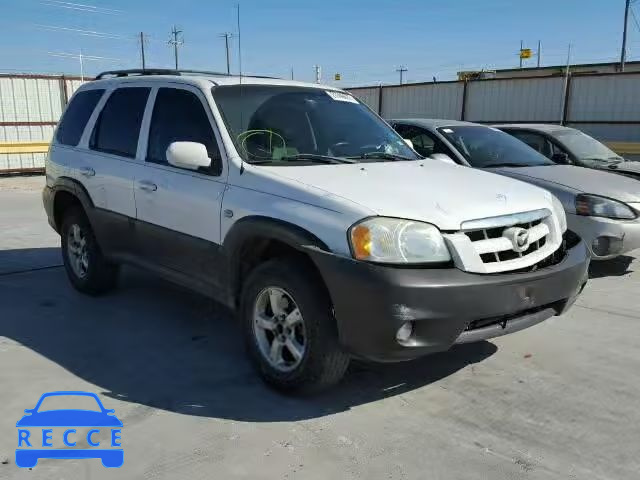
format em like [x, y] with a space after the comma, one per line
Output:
[178, 210]
[109, 164]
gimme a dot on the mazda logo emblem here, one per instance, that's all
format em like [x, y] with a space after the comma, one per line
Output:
[519, 238]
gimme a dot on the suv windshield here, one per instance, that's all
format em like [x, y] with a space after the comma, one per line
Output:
[286, 125]
[585, 147]
[485, 147]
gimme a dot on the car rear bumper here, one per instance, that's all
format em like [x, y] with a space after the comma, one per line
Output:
[445, 306]
[619, 236]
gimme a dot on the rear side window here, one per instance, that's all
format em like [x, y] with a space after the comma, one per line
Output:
[76, 116]
[118, 126]
[180, 116]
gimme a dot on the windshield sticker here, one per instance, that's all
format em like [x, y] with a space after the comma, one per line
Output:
[341, 97]
[447, 130]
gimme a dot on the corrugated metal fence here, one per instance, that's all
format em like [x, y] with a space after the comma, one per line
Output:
[606, 106]
[30, 106]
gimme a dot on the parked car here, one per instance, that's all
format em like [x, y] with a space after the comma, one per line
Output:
[568, 146]
[302, 210]
[602, 208]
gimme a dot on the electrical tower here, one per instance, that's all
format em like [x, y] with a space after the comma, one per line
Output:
[176, 41]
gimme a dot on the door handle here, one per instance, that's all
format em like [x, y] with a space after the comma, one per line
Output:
[87, 171]
[147, 186]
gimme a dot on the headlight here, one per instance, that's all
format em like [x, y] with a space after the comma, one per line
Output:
[393, 240]
[592, 205]
[562, 216]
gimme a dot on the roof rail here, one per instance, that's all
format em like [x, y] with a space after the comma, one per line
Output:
[137, 71]
[164, 71]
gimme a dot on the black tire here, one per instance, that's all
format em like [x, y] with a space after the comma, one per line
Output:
[101, 276]
[324, 362]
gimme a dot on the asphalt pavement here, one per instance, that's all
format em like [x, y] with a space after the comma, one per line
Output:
[557, 401]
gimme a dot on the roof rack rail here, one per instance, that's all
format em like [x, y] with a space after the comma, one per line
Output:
[164, 71]
[137, 71]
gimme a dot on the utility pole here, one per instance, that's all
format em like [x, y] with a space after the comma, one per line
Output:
[227, 36]
[623, 53]
[142, 50]
[291, 73]
[176, 42]
[566, 86]
[520, 53]
[539, 51]
[318, 70]
[402, 69]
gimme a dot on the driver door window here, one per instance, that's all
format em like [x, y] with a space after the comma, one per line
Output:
[179, 116]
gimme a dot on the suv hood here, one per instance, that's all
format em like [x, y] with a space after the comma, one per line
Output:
[578, 179]
[428, 190]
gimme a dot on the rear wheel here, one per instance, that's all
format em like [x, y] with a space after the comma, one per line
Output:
[289, 328]
[87, 269]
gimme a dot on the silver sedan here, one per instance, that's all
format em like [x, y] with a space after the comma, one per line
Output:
[602, 208]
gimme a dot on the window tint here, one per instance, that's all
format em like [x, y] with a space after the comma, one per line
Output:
[118, 126]
[179, 116]
[76, 116]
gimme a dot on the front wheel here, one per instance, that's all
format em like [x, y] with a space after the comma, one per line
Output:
[289, 327]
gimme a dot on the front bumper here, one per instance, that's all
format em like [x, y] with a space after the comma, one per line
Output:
[622, 235]
[446, 306]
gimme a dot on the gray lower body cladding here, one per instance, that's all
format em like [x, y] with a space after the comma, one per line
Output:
[446, 306]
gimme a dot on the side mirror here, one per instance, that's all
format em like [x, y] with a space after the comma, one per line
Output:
[189, 155]
[442, 158]
[408, 142]
[561, 158]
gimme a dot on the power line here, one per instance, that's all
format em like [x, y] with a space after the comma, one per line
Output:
[81, 7]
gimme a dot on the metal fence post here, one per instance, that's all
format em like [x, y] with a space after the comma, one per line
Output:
[464, 100]
[380, 100]
[567, 99]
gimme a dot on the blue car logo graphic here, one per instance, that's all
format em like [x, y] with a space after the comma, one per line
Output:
[31, 434]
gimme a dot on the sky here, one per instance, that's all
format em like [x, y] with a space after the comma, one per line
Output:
[363, 40]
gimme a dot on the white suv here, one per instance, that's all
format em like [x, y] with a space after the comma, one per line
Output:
[302, 210]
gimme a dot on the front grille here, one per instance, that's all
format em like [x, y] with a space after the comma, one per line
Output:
[510, 254]
[506, 243]
[569, 240]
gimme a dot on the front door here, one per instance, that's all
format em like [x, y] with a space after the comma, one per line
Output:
[178, 210]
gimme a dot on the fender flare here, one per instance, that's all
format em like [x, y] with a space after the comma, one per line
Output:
[69, 185]
[265, 228]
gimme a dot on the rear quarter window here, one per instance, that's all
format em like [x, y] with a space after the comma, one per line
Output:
[76, 116]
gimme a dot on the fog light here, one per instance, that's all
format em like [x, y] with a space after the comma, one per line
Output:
[404, 332]
[603, 246]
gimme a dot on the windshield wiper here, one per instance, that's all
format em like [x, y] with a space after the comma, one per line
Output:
[507, 164]
[305, 156]
[382, 155]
